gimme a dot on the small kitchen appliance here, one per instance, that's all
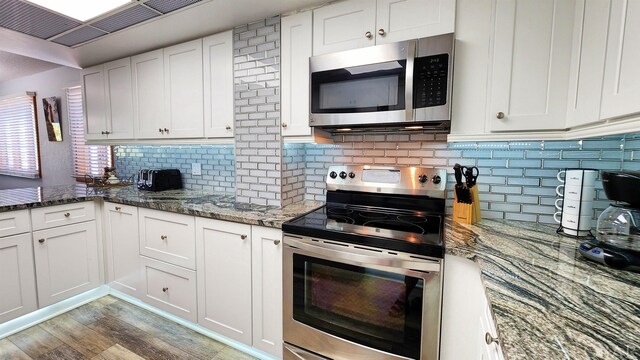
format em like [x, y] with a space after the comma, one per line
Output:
[404, 85]
[362, 275]
[159, 179]
[577, 191]
[617, 242]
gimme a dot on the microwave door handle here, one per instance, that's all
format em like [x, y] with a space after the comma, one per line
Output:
[408, 94]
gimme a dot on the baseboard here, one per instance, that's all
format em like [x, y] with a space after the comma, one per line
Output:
[26, 321]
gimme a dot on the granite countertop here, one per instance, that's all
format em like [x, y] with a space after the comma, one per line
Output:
[548, 301]
[221, 206]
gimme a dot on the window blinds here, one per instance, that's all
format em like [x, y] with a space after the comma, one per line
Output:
[87, 159]
[19, 153]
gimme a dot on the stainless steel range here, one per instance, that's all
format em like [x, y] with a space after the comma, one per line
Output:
[363, 274]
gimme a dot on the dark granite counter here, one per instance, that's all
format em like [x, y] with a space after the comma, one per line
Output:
[548, 301]
[191, 202]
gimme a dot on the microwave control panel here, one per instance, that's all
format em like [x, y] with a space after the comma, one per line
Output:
[430, 75]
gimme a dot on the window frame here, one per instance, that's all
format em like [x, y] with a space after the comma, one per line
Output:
[38, 160]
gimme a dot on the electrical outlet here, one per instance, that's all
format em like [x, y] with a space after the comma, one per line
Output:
[196, 169]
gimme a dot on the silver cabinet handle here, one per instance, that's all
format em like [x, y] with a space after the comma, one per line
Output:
[243, 237]
[118, 208]
[284, 124]
[490, 339]
[166, 130]
[67, 214]
[276, 242]
[368, 35]
[165, 289]
[163, 237]
[228, 127]
[500, 115]
[41, 241]
[381, 32]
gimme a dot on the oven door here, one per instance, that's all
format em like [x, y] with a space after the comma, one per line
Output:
[347, 303]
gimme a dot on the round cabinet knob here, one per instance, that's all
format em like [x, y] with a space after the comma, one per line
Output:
[118, 208]
[102, 132]
[276, 242]
[500, 115]
[436, 179]
[422, 178]
[343, 175]
[228, 127]
[160, 130]
[166, 130]
[165, 289]
[333, 175]
[107, 132]
[381, 32]
[490, 339]
[163, 237]
[284, 124]
[352, 175]
[67, 214]
[41, 241]
[243, 236]
[368, 35]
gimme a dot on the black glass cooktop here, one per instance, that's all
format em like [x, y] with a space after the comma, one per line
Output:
[400, 230]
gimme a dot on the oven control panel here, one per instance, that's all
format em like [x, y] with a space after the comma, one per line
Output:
[390, 180]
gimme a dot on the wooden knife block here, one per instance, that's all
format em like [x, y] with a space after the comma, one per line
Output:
[467, 213]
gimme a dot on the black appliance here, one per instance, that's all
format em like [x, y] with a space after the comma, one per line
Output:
[617, 242]
[362, 275]
[159, 179]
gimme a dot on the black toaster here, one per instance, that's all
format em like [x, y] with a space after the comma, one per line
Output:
[159, 179]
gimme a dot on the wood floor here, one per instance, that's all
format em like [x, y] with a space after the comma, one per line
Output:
[110, 329]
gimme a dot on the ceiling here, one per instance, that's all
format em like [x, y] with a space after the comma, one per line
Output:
[30, 31]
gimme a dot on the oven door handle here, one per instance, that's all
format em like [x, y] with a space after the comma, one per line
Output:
[381, 260]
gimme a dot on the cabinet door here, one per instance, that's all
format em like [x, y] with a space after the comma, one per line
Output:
[123, 259]
[18, 280]
[491, 351]
[266, 249]
[66, 261]
[168, 237]
[218, 85]
[183, 89]
[224, 277]
[296, 37]
[93, 105]
[587, 63]
[531, 59]
[119, 99]
[149, 110]
[344, 25]
[399, 20]
[621, 89]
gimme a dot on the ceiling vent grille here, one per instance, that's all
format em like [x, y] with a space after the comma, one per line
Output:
[166, 6]
[32, 20]
[79, 36]
[131, 16]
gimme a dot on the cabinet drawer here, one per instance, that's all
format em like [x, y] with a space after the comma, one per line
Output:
[170, 288]
[52, 216]
[168, 237]
[14, 222]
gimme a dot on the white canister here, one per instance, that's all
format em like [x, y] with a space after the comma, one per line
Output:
[578, 177]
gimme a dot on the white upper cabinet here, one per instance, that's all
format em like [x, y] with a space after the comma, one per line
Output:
[183, 90]
[621, 89]
[399, 20]
[344, 25]
[218, 85]
[94, 103]
[354, 24]
[118, 99]
[587, 62]
[531, 60]
[149, 114]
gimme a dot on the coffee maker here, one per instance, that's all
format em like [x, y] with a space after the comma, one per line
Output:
[617, 242]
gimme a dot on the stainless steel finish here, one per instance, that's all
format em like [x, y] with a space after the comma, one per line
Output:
[163, 237]
[381, 32]
[284, 124]
[118, 208]
[363, 56]
[408, 93]
[243, 236]
[500, 115]
[165, 289]
[41, 241]
[291, 352]
[276, 242]
[67, 214]
[490, 339]
[408, 184]
[399, 263]
[368, 35]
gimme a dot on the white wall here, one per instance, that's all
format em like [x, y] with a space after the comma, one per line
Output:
[55, 157]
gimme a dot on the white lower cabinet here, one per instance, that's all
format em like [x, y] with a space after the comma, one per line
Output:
[17, 279]
[122, 245]
[168, 237]
[224, 277]
[170, 288]
[266, 249]
[488, 338]
[66, 261]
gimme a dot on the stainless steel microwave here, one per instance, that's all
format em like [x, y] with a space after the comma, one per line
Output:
[405, 85]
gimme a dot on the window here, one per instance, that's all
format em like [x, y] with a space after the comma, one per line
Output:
[87, 159]
[19, 153]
